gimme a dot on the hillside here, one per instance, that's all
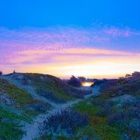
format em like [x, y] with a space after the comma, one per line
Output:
[23, 96]
[47, 86]
[17, 105]
[43, 107]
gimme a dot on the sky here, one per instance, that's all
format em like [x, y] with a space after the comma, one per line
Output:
[91, 38]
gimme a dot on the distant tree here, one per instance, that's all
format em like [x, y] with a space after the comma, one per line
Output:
[136, 74]
[74, 81]
[128, 76]
[82, 79]
[121, 80]
[14, 71]
[0, 72]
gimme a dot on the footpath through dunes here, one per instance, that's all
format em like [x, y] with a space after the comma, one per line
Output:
[37, 91]
[33, 131]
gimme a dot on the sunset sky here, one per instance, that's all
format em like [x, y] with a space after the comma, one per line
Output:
[91, 38]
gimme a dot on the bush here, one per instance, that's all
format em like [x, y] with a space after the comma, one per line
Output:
[74, 82]
[66, 120]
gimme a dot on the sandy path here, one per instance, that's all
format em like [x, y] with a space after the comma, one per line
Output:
[32, 130]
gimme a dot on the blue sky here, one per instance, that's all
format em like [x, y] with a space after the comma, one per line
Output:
[46, 13]
[92, 38]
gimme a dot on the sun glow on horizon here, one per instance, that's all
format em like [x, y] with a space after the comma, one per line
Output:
[62, 52]
[95, 67]
[100, 69]
[87, 84]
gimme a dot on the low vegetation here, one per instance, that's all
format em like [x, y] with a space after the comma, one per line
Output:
[21, 99]
[124, 85]
[10, 125]
[50, 87]
[112, 115]
[67, 121]
[16, 106]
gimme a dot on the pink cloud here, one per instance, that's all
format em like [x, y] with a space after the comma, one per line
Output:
[64, 55]
[113, 31]
[59, 47]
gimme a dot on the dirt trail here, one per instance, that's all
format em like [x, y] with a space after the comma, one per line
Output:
[32, 130]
